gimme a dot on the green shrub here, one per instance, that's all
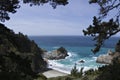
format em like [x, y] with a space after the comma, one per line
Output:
[76, 73]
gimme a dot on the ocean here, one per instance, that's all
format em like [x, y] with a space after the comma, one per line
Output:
[78, 47]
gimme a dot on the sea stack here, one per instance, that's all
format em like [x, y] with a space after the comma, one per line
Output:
[59, 53]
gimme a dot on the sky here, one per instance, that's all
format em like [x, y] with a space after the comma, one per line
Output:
[44, 20]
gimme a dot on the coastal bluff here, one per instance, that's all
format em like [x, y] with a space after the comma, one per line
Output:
[59, 53]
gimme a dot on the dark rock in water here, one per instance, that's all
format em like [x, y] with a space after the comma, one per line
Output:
[81, 61]
[60, 53]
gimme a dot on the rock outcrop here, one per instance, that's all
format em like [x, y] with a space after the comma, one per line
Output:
[108, 58]
[60, 53]
[81, 61]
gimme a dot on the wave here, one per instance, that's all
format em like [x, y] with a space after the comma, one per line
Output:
[95, 58]
[59, 67]
[56, 65]
[86, 68]
[67, 68]
[69, 55]
[67, 64]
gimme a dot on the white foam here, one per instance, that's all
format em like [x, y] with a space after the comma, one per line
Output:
[59, 67]
[56, 65]
[86, 68]
[69, 55]
[95, 58]
[67, 69]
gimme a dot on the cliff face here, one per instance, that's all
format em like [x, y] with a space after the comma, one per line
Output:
[19, 46]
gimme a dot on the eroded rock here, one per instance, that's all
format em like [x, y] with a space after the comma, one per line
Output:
[108, 58]
[60, 53]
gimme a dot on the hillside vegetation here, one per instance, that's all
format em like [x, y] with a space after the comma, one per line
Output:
[20, 58]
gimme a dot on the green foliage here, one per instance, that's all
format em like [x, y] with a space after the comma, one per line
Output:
[54, 3]
[89, 72]
[68, 78]
[106, 7]
[76, 73]
[20, 58]
[62, 78]
[41, 77]
[11, 6]
[8, 6]
[110, 72]
[100, 31]
[13, 66]
[81, 72]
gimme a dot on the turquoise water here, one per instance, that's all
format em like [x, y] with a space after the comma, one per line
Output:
[78, 47]
[75, 55]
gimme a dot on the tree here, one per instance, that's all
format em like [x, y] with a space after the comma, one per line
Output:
[13, 66]
[11, 6]
[8, 6]
[20, 58]
[75, 72]
[102, 30]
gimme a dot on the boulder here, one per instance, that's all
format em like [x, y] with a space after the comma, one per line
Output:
[81, 61]
[108, 58]
[60, 53]
[105, 59]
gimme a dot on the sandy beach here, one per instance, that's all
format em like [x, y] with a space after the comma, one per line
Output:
[53, 73]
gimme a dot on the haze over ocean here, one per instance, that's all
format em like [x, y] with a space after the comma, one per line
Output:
[78, 47]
